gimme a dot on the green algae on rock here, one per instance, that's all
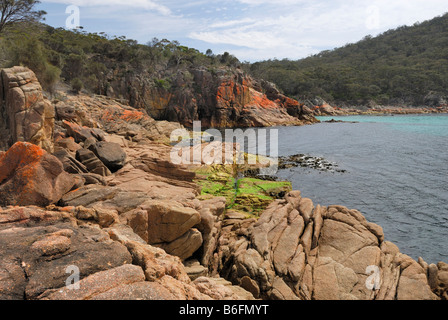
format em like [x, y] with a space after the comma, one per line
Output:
[249, 195]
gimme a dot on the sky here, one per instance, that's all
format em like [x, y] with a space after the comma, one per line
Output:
[252, 30]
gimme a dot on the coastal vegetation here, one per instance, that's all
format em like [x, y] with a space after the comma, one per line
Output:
[18, 11]
[402, 66]
[96, 59]
[406, 66]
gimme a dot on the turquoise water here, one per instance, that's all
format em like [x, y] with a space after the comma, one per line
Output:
[396, 174]
[426, 124]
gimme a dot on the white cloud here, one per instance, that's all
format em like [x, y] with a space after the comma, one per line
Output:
[142, 4]
[252, 39]
[257, 29]
[276, 3]
[297, 28]
[231, 23]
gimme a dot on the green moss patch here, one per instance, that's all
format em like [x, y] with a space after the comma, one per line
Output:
[248, 195]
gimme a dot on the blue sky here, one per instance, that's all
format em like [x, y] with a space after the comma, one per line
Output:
[252, 30]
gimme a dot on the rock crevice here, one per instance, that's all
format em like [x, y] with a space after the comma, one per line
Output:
[110, 204]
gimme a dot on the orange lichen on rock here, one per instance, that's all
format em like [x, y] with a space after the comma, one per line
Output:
[288, 102]
[20, 158]
[231, 94]
[117, 112]
[129, 115]
[72, 126]
[21, 161]
[31, 176]
[262, 101]
[107, 116]
[225, 91]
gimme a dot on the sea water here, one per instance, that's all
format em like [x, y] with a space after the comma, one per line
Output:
[395, 173]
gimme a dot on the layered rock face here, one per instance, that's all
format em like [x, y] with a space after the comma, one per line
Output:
[47, 255]
[219, 98]
[89, 114]
[110, 209]
[26, 115]
[300, 251]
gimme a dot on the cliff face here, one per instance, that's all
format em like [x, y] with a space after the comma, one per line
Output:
[111, 204]
[218, 98]
[25, 114]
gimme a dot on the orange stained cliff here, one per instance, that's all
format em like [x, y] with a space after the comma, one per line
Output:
[263, 101]
[22, 159]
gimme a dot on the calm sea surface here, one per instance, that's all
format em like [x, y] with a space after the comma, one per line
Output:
[396, 174]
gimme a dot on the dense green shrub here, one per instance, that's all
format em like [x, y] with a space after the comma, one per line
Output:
[400, 66]
[77, 85]
[28, 51]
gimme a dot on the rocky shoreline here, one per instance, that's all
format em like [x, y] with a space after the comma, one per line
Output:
[324, 109]
[88, 193]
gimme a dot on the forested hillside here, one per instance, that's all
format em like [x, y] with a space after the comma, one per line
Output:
[170, 81]
[404, 66]
[91, 61]
[407, 66]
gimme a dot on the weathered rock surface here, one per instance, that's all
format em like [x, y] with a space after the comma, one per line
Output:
[168, 225]
[31, 176]
[25, 114]
[112, 117]
[82, 133]
[219, 99]
[132, 223]
[221, 289]
[126, 282]
[42, 251]
[110, 153]
[90, 162]
[300, 251]
[38, 247]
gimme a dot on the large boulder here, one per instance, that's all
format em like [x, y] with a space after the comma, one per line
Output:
[91, 162]
[39, 250]
[27, 115]
[31, 176]
[168, 225]
[110, 153]
[297, 250]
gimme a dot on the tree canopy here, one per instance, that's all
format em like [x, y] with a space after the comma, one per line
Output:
[96, 59]
[15, 11]
[399, 67]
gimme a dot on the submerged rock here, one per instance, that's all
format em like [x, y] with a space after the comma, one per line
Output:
[307, 161]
